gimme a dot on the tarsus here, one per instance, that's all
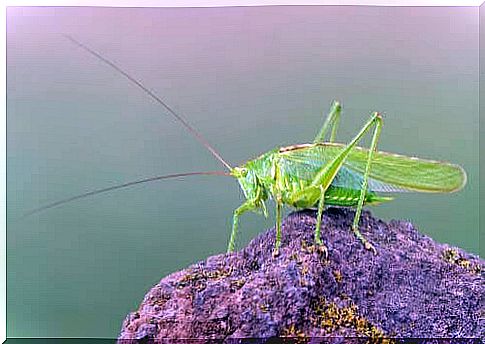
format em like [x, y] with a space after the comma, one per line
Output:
[179, 118]
[120, 186]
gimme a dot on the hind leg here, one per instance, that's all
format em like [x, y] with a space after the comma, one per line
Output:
[324, 177]
[332, 120]
[363, 190]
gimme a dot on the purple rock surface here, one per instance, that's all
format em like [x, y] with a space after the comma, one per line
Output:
[414, 287]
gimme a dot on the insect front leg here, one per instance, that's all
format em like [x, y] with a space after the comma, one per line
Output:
[333, 119]
[246, 206]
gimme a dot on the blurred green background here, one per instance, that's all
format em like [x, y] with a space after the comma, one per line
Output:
[250, 79]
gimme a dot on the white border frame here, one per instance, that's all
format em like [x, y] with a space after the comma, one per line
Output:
[230, 3]
[144, 3]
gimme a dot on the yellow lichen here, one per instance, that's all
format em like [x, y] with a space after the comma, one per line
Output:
[452, 256]
[338, 276]
[264, 307]
[195, 275]
[304, 270]
[198, 278]
[331, 318]
[238, 283]
[293, 331]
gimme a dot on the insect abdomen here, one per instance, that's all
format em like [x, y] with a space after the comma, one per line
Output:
[349, 197]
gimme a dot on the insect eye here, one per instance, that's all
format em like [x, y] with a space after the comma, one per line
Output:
[244, 172]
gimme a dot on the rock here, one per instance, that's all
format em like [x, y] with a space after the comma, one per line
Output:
[414, 287]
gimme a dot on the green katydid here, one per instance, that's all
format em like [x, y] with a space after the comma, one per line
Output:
[313, 175]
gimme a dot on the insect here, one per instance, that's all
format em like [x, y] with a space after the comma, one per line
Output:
[312, 175]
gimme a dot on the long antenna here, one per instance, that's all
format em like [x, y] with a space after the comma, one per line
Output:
[179, 118]
[120, 186]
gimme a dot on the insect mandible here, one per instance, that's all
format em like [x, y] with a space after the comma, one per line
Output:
[311, 175]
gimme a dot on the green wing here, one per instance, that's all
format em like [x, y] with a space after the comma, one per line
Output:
[389, 172]
[347, 178]
[304, 162]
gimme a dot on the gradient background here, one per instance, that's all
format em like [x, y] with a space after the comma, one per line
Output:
[249, 79]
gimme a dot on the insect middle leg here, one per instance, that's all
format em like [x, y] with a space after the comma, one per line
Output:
[318, 240]
[306, 198]
[278, 227]
[321, 203]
